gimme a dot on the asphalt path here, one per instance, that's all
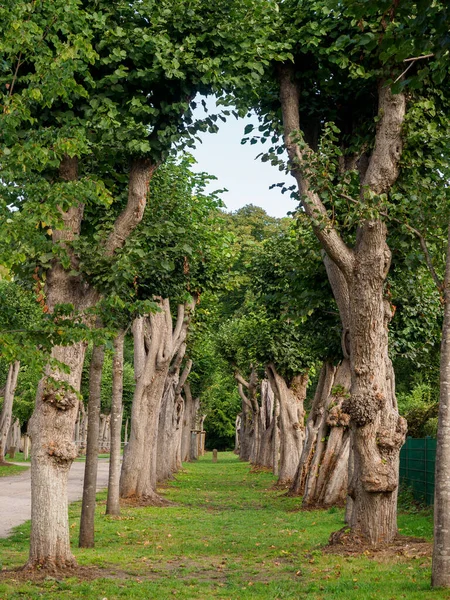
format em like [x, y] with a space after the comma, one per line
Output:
[15, 493]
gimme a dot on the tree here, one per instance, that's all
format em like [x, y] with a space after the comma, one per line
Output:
[179, 253]
[92, 130]
[346, 58]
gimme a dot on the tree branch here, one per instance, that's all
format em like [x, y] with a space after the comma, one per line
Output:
[184, 376]
[383, 168]
[243, 396]
[180, 322]
[141, 171]
[241, 380]
[311, 202]
[437, 280]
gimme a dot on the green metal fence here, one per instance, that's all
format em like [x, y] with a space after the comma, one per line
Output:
[417, 458]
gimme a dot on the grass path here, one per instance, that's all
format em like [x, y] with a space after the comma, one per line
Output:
[227, 536]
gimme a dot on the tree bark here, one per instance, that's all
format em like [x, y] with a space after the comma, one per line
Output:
[191, 407]
[292, 429]
[170, 418]
[250, 420]
[322, 475]
[6, 413]
[237, 434]
[87, 535]
[276, 441]
[440, 576]
[53, 422]
[268, 424]
[377, 430]
[156, 343]
[113, 499]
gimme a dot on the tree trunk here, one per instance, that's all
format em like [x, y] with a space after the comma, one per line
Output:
[189, 419]
[170, 419]
[441, 548]
[377, 430]
[292, 429]
[237, 434]
[250, 437]
[126, 433]
[52, 454]
[113, 499]
[81, 429]
[246, 432]
[6, 413]
[276, 435]
[104, 433]
[156, 343]
[268, 424]
[87, 537]
[322, 475]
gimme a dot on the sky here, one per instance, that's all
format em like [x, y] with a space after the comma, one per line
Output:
[246, 179]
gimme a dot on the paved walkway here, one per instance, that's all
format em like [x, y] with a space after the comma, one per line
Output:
[15, 493]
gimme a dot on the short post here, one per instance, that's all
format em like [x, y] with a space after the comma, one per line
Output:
[214, 455]
[26, 447]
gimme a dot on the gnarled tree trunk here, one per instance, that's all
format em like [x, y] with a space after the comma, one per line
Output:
[322, 475]
[8, 399]
[250, 419]
[268, 424]
[156, 343]
[170, 417]
[377, 430]
[290, 396]
[191, 407]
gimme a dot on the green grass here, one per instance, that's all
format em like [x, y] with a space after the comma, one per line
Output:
[18, 457]
[227, 536]
[7, 470]
[83, 457]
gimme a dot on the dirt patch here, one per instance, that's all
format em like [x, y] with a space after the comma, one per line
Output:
[143, 501]
[39, 575]
[147, 570]
[347, 544]
[260, 469]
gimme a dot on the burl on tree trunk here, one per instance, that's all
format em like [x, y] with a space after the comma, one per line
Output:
[377, 430]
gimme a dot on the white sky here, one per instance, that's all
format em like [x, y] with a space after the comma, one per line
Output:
[246, 179]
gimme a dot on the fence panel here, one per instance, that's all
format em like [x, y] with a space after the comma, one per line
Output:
[417, 460]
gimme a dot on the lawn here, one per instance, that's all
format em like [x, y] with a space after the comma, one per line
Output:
[227, 535]
[7, 470]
